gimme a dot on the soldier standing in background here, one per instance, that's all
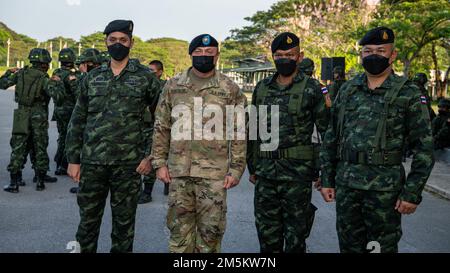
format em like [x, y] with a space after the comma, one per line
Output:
[32, 93]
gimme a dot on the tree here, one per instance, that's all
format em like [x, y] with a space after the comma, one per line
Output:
[416, 25]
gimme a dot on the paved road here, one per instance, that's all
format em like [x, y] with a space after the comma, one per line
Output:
[46, 221]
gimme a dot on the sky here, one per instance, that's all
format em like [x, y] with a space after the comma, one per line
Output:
[181, 19]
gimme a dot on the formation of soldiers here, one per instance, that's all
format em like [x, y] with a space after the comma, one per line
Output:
[116, 119]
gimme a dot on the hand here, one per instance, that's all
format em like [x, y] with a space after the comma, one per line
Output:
[83, 67]
[163, 174]
[72, 77]
[14, 69]
[318, 184]
[252, 179]
[405, 207]
[328, 194]
[230, 182]
[55, 78]
[145, 167]
[74, 172]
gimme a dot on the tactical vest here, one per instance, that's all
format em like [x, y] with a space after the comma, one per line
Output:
[299, 152]
[378, 155]
[30, 83]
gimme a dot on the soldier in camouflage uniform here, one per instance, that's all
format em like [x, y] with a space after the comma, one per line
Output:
[283, 177]
[30, 126]
[441, 125]
[338, 81]
[306, 66]
[157, 68]
[420, 79]
[199, 171]
[105, 58]
[373, 116]
[105, 140]
[63, 110]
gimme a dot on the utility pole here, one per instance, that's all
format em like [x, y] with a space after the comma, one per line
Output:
[7, 53]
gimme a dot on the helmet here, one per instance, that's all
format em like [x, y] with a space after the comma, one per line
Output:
[105, 56]
[444, 103]
[66, 55]
[90, 55]
[340, 71]
[39, 55]
[307, 65]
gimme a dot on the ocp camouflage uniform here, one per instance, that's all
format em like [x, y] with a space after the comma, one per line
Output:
[361, 157]
[283, 210]
[106, 136]
[197, 197]
[33, 92]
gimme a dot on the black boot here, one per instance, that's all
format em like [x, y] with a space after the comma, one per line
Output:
[61, 171]
[20, 181]
[166, 189]
[40, 186]
[47, 179]
[13, 186]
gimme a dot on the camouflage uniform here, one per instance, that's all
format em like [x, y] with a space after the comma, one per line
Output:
[106, 137]
[33, 92]
[149, 120]
[361, 157]
[283, 211]
[441, 125]
[420, 79]
[63, 110]
[197, 198]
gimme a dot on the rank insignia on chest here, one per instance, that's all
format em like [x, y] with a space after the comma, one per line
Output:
[324, 90]
[423, 99]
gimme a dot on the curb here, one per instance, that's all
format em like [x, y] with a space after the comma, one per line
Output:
[439, 191]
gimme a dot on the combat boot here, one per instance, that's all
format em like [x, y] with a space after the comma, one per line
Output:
[47, 179]
[61, 171]
[13, 186]
[40, 186]
[146, 194]
[20, 181]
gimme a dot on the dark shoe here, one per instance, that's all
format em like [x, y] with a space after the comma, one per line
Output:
[145, 198]
[40, 186]
[20, 180]
[74, 190]
[47, 179]
[166, 189]
[13, 186]
[61, 171]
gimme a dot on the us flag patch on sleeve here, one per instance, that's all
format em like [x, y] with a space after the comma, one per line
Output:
[423, 99]
[324, 90]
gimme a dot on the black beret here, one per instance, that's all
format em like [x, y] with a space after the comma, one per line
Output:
[285, 41]
[204, 40]
[378, 36]
[124, 26]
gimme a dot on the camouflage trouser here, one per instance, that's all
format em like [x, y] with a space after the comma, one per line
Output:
[364, 216]
[148, 132]
[284, 214]
[149, 179]
[35, 143]
[96, 182]
[196, 216]
[62, 122]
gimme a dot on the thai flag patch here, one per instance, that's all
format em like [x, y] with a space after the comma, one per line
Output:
[324, 90]
[423, 99]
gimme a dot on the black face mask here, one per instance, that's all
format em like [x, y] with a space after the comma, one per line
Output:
[90, 67]
[286, 67]
[118, 51]
[41, 66]
[203, 64]
[375, 64]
